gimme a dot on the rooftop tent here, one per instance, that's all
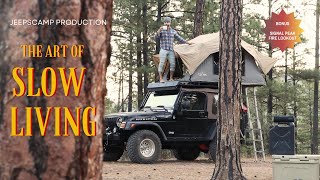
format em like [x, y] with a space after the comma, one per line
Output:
[201, 61]
[208, 71]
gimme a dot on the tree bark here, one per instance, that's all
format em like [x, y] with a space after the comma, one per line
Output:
[49, 157]
[270, 74]
[130, 73]
[315, 143]
[310, 118]
[159, 11]
[139, 56]
[294, 82]
[198, 18]
[119, 92]
[295, 106]
[285, 83]
[228, 147]
[145, 48]
[121, 85]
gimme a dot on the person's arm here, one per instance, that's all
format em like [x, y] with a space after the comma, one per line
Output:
[156, 37]
[180, 39]
[158, 34]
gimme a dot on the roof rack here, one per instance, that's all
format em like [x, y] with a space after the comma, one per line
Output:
[169, 85]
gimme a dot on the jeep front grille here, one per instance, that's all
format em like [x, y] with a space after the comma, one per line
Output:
[110, 122]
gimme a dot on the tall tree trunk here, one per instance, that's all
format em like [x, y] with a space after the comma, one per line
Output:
[314, 149]
[270, 94]
[122, 82]
[285, 83]
[294, 82]
[139, 56]
[159, 11]
[130, 72]
[50, 157]
[310, 118]
[228, 147]
[120, 88]
[270, 73]
[145, 47]
[295, 106]
[119, 93]
[198, 18]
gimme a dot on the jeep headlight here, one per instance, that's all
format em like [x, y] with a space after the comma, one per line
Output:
[119, 121]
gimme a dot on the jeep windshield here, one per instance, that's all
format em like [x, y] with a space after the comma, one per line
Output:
[162, 100]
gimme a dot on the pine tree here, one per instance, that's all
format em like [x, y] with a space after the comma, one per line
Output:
[228, 147]
[38, 157]
[314, 149]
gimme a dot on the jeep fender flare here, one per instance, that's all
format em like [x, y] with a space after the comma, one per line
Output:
[148, 124]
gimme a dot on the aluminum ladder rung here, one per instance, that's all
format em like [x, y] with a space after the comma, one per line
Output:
[257, 128]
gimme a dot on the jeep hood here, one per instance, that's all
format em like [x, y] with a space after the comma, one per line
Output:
[110, 119]
[138, 114]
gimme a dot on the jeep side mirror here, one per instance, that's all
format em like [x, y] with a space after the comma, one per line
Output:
[186, 104]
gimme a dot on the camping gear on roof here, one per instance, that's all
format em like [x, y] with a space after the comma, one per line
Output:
[202, 61]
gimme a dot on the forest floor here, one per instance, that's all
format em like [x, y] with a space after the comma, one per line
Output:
[201, 169]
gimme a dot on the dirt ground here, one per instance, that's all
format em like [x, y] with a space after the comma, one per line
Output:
[181, 170]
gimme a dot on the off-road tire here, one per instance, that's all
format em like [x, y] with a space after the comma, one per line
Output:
[136, 147]
[112, 153]
[213, 149]
[186, 153]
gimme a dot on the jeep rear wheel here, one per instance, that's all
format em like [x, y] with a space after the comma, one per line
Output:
[187, 153]
[144, 147]
[213, 149]
[112, 153]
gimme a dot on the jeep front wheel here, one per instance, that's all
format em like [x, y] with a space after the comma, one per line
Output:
[144, 147]
[112, 153]
[187, 153]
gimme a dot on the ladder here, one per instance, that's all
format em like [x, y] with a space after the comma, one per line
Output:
[255, 126]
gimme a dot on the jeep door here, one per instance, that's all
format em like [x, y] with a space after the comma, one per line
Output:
[192, 115]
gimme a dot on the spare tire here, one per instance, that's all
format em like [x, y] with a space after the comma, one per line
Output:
[213, 149]
[186, 153]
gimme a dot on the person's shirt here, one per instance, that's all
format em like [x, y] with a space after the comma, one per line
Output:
[166, 38]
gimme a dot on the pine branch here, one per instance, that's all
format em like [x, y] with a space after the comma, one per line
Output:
[165, 4]
[191, 12]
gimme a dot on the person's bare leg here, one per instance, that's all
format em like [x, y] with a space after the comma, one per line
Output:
[172, 64]
[171, 75]
[162, 56]
[160, 77]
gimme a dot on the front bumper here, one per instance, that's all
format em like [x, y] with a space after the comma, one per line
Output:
[113, 137]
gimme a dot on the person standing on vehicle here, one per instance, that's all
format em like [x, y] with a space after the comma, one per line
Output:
[166, 34]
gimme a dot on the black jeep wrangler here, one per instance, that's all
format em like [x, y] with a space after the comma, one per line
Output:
[174, 115]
